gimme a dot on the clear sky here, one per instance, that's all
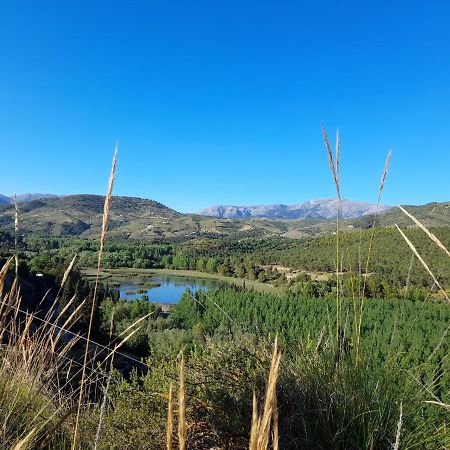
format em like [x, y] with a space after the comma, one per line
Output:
[220, 102]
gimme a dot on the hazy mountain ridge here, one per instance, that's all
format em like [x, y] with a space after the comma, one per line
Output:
[4, 200]
[22, 198]
[313, 209]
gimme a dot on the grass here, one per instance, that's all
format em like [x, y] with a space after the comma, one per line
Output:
[33, 360]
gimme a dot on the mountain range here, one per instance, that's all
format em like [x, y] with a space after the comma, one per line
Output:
[313, 209]
[147, 220]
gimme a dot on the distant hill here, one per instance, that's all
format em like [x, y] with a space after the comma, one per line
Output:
[22, 198]
[147, 220]
[434, 214]
[4, 200]
[313, 209]
[81, 215]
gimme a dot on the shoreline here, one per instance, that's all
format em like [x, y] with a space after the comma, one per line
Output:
[123, 272]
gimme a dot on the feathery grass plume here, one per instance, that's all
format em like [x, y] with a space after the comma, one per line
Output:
[426, 230]
[3, 272]
[369, 254]
[399, 428]
[124, 332]
[335, 171]
[94, 296]
[275, 433]
[270, 402]
[182, 408]
[383, 177]
[68, 270]
[424, 264]
[169, 428]
[337, 157]
[333, 167]
[260, 431]
[122, 342]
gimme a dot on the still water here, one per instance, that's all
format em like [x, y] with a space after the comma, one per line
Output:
[170, 290]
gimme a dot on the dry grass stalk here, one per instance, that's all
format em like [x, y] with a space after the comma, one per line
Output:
[442, 404]
[260, 432]
[383, 177]
[255, 425]
[23, 443]
[426, 230]
[137, 321]
[399, 428]
[68, 270]
[182, 408]
[16, 235]
[337, 157]
[424, 264]
[94, 297]
[122, 342]
[275, 433]
[3, 272]
[334, 168]
[169, 429]
[358, 320]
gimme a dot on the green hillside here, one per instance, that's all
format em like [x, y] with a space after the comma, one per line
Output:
[141, 219]
[431, 215]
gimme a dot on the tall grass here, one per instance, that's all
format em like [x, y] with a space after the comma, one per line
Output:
[358, 298]
[94, 298]
[34, 359]
[334, 166]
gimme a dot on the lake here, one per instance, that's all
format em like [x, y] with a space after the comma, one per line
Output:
[170, 290]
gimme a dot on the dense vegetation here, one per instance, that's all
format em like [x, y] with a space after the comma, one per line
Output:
[393, 270]
[322, 404]
[327, 396]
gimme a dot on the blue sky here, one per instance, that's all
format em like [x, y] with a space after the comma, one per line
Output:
[221, 101]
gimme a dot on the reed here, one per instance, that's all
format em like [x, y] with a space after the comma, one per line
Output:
[169, 428]
[359, 319]
[334, 167]
[16, 235]
[399, 428]
[94, 297]
[182, 408]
